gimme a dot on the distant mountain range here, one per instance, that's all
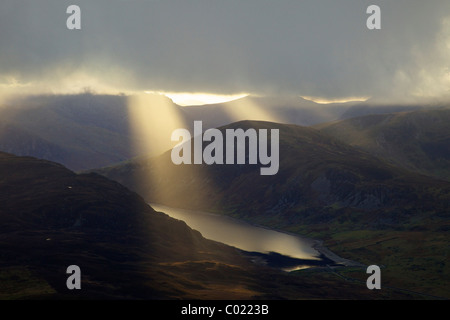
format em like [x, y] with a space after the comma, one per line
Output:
[417, 141]
[89, 131]
[78, 131]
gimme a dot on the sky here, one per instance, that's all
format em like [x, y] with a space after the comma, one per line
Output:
[320, 49]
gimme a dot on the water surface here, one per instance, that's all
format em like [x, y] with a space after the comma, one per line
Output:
[243, 235]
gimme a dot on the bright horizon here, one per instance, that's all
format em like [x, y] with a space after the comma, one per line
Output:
[322, 100]
[200, 54]
[198, 99]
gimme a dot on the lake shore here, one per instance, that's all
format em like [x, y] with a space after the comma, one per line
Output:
[318, 245]
[325, 257]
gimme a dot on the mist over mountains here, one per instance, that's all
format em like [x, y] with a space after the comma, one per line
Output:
[89, 131]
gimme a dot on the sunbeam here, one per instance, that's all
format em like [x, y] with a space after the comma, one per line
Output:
[153, 118]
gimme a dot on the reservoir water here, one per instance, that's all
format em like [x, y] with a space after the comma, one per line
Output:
[243, 235]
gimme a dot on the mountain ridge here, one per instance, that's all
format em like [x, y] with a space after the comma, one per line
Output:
[415, 140]
[315, 154]
[88, 130]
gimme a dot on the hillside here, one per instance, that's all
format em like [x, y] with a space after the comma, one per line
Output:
[326, 189]
[51, 218]
[295, 110]
[317, 174]
[87, 131]
[82, 131]
[416, 140]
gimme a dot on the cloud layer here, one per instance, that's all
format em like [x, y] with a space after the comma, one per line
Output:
[313, 48]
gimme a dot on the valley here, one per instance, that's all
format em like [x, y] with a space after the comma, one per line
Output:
[360, 203]
[223, 154]
[52, 218]
[364, 208]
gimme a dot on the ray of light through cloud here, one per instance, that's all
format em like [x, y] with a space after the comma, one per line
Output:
[305, 48]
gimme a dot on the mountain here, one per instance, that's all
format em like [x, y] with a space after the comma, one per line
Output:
[87, 131]
[52, 218]
[317, 173]
[416, 140]
[372, 108]
[362, 206]
[80, 131]
[290, 110]
[294, 110]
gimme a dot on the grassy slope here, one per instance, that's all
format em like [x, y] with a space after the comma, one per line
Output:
[363, 207]
[51, 218]
[417, 140]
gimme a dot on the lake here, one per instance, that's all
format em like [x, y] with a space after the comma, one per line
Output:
[243, 235]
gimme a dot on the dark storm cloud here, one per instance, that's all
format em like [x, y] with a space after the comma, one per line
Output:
[312, 48]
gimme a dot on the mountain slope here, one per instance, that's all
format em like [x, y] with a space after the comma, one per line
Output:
[51, 218]
[317, 174]
[88, 131]
[79, 131]
[418, 140]
[295, 110]
[363, 207]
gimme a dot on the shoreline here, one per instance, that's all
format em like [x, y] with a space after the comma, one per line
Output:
[316, 244]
